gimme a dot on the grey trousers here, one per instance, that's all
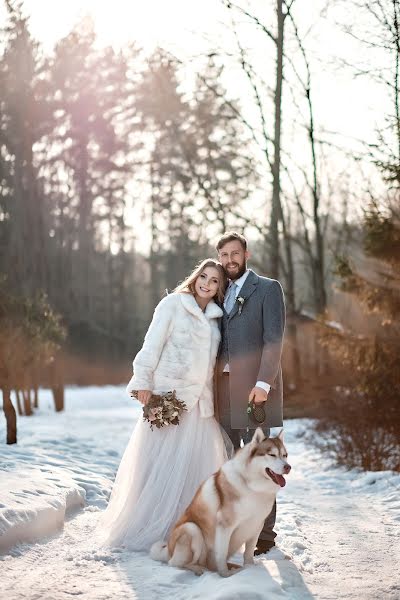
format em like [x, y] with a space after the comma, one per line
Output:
[238, 436]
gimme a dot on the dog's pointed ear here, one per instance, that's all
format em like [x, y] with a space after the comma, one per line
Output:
[280, 436]
[258, 436]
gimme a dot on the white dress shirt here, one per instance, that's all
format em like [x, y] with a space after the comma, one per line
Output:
[239, 284]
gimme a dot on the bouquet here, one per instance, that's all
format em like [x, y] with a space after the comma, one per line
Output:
[162, 409]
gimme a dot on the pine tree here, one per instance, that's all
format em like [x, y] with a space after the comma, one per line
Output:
[22, 125]
[88, 162]
[200, 166]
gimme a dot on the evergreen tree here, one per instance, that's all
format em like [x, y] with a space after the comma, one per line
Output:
[22, 125]
[89, 165]
[200, 165]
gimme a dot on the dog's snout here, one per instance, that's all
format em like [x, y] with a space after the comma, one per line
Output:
[286, 469]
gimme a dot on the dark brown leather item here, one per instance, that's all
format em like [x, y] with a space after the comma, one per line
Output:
[256, 412]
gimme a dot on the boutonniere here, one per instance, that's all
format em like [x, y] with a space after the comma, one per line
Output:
[241, 301]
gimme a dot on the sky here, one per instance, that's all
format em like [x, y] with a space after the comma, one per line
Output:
[149, 22]
[344, 103]
[351, 107]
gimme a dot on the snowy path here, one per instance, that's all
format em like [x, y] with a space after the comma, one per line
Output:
[346, 532]
[356, 555]
[66, 566]
[340, 528]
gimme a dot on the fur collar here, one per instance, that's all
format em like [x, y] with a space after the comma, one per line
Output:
[213, 311]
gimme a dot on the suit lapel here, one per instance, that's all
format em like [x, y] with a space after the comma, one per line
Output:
[248, 288]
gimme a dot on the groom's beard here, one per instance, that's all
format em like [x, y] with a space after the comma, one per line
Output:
[237, 272]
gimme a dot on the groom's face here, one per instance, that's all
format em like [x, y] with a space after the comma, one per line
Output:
[233, 257]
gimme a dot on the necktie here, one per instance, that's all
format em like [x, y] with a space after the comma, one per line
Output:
[230, 297]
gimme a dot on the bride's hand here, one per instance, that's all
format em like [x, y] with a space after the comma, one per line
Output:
[144, 396]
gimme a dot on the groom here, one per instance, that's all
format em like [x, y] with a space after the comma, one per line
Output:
[249, 360]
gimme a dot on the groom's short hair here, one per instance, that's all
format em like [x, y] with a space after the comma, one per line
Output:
[230, 236]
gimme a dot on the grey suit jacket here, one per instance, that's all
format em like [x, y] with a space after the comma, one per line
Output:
[252, 342]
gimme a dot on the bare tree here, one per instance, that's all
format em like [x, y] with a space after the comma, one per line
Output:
[277, 37]
[316, 257]
[269, 140]
[378, 31]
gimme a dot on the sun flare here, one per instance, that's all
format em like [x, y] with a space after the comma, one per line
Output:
[150, 23]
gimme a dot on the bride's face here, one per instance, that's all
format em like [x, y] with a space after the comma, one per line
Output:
[207, 283]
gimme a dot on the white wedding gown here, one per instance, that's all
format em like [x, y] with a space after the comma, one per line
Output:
[159, 474]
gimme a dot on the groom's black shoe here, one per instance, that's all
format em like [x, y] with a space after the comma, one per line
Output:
[263, 546]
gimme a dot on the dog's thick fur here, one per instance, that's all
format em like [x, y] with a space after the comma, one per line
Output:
[228, 510]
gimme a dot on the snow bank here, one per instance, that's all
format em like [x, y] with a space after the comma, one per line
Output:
[36, 504]
[59, 463]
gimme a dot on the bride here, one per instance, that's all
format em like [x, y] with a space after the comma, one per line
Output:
[161, 469]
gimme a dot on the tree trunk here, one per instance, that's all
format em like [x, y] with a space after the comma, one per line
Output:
[276, 167]
[36, 397]
[19, 403]
[318, 265]
[290, 288]
[35, 385]
[85, 238]
[27, 402]
[11, 416]
[57, 386]
[58, 395]
[295, 375]
[154, 248]
[396, 35]
[318, 276]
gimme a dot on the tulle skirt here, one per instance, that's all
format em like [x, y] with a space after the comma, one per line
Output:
[159, 474]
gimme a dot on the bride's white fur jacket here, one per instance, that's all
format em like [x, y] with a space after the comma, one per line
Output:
[179, 352]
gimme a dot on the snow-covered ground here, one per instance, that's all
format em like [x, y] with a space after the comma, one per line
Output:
[338, 531]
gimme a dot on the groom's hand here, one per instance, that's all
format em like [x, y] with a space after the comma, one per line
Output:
[258, 395]
[144, 396]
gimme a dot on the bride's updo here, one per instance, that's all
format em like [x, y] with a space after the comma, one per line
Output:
[188, 284]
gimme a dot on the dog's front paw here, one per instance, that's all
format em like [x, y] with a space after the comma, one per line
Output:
[225, 572]
[249, 562]
[197, 570]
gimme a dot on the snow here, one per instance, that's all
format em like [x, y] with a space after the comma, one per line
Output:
[61, 461]
[338, 530]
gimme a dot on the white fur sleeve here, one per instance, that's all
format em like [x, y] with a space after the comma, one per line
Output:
[147, 358]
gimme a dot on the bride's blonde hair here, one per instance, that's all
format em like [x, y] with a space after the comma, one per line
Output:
[188, 284]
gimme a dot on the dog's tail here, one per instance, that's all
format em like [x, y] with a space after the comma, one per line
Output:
[159, 551]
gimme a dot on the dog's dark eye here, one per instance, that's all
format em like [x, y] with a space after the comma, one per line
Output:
[273, 455]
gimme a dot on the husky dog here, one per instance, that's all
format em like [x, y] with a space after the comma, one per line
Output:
[228, 510]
